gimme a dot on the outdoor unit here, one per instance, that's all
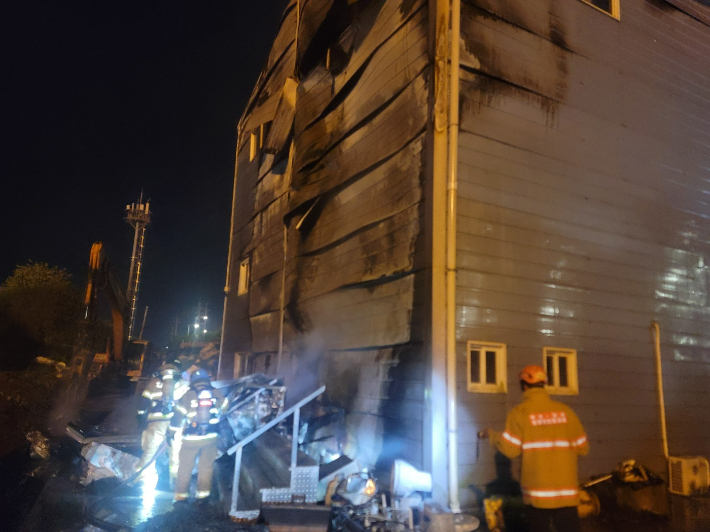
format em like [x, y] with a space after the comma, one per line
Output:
[689, 475]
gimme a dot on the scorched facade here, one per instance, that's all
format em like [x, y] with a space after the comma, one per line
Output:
[578, 201]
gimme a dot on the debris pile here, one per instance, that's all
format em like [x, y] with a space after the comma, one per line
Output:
[39, 444]
[104, 462]
[254, 400]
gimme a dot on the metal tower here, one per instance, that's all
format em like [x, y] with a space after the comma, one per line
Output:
[138, 216]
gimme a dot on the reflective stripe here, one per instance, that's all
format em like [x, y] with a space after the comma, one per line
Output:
[202, 494]
[181, 409]
[210, 436]
[512, 439]
[181, 496]
[160, 415]
[191, 414]
[141, 412]
[547, 444]
[174, 429]
[213, 421]
[580, 441]
[550, 494]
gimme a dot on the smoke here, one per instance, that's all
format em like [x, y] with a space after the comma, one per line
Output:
[67, 403]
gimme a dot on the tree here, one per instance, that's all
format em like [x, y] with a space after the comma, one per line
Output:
[42, 299]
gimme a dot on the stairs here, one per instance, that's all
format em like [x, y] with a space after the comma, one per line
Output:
[265, 464]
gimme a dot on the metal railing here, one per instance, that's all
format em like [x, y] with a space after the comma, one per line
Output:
[237, 448]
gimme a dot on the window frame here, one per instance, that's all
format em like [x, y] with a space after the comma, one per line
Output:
[572, 387]
[501, 370]
[615, 12]
[253, 146]
[244, 276]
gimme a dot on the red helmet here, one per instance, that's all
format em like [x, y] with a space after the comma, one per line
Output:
[533, 375]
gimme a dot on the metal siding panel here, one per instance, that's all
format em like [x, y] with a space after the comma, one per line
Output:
[583, 215]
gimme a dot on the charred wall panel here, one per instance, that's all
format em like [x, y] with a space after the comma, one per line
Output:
[354, 225]
[337, 193]
[237, 333]
[583, 178]
[259, 184]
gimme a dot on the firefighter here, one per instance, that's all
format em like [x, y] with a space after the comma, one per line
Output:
[197, 413]
[550, 438]
[156, 408]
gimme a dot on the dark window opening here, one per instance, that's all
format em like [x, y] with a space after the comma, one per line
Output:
[490, 367]
[562, 363]
[550, 368]
[604, 5]
[475, 366]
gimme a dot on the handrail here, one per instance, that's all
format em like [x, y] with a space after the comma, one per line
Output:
[278, 419]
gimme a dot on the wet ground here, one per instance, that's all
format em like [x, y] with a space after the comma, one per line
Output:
[46, 496]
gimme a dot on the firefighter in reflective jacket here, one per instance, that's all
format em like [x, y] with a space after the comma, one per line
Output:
[197, 413]
[550, 438]
[156, 406]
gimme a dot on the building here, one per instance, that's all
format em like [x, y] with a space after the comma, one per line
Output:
[576, 208]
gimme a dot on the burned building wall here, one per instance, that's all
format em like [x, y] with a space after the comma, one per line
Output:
[584, 160]
[332, 147]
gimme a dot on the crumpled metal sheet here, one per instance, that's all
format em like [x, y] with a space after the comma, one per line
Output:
[105, 461]
[254, 401]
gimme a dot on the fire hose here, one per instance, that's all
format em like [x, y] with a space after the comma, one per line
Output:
[112, 527]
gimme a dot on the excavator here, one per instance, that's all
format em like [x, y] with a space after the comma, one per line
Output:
[135, 357]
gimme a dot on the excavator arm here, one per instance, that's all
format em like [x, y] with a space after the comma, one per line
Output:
[101, 278]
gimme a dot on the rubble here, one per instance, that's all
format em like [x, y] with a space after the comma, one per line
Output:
[39, 444]
[60, 367]
[105, 462]
[254, 400]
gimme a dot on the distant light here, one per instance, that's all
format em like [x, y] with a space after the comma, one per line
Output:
[204, 330]
[197, 325]
[204, 318]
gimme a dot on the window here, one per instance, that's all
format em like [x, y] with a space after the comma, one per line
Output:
[264, 133]
[257, 139]
[561, 367]
[486, 366]
[243, 277]
[610, 7]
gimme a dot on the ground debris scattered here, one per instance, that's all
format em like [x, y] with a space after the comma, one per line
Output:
[25, 402]
[39, 444]
[195, 518]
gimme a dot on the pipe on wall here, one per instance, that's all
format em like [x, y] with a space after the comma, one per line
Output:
[451, 212]
[656, 335]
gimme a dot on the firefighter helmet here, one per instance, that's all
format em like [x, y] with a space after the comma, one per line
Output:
[199, 375]
[533, 375]
[169, 369]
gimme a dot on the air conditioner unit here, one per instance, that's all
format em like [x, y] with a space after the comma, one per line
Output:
[688, 475]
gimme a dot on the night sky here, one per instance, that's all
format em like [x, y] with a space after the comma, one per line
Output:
[103, 99]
